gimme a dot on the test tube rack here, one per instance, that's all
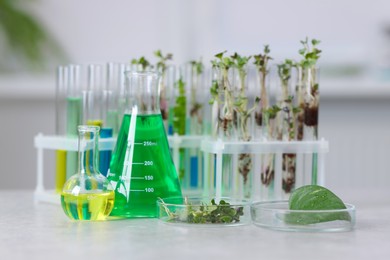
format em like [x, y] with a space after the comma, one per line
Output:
[176, 142]
[41, 143]
[218, 148]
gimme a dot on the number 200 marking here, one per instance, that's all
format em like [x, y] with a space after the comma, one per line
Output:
[148, 163]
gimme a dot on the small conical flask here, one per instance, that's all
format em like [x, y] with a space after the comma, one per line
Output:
[141, 167]
[87, 195]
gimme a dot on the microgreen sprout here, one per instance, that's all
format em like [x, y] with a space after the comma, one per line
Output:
[310, 54]
[195, 109]
[144, 63]
[179, 111]
[198, 65]
[261, 62]
[241, 107]
[286, 128]
[309, 86]
[205, 213]
[223, 63]
[179, 119]
[162, 60]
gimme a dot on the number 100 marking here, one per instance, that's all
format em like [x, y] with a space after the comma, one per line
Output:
[150, 190]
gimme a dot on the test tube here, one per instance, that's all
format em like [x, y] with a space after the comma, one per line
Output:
[105, 156]
[110, 97]
[60, 122]
[93, 101]
[195, 87]
[93, 96]
[74, 113]
[121, 91]
[110, 104]
[167, 83]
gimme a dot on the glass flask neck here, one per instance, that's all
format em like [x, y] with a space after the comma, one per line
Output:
[88, 150]
[143, 92]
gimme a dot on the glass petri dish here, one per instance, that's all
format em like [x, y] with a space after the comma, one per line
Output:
[277, 215]
[200, 211]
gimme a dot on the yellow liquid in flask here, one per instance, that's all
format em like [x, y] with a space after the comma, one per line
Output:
[88, 206]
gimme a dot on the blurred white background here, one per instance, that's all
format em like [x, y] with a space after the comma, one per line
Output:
[355, 76]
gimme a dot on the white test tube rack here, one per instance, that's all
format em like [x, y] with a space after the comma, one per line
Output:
[42, 142]
[219, 148]
[207, 146]
[52, 142]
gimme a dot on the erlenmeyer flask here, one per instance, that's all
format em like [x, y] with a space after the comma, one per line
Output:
[87, 195]
[141, 167]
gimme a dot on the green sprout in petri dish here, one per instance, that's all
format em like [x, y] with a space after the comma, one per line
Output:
[205, 213]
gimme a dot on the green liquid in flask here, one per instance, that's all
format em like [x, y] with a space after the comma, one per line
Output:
[153, 173]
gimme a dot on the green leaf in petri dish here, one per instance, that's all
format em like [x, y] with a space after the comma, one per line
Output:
[315, 197]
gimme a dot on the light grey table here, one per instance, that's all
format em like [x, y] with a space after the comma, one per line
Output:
[42, 231]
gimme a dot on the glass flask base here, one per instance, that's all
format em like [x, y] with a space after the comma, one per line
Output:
[93, 206]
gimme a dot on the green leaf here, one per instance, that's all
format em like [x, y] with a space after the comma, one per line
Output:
[220, 55]
[198, 66]
[314, 197]
[266, 49]
[158, 54]
[226, 219]
[162, 62]
[235, 56]
[315, 42]
[211, 214]
[141, 61]
[296, 110]
[272, 111]
[25, 36]
[310, 53]
[261, 60]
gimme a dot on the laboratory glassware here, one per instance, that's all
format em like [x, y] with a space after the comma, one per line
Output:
[285, 125]
[60, 122]
[307, 92]
[74, 114]
[167, 82]
[121, 102]
[141, 167]
[105, 156]
[193, 73]
[87, 195]
[110, 97]
[312, 102]
[93, 96]
[178, 121]
[96, 98]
